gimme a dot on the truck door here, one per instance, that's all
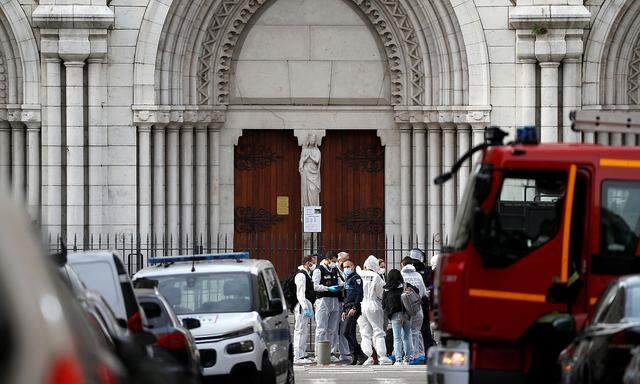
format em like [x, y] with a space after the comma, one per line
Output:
[524, 250]
[615, 237]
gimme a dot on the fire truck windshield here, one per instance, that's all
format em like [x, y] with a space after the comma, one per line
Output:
[527, 214]
[476, 191]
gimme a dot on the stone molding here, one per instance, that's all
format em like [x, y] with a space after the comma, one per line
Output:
[232, 16]
[549, 16]
[173, 115]
[443, 115]
[73, 16]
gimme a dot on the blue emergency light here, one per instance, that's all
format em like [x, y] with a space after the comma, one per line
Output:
[527, 135]
[194, 258]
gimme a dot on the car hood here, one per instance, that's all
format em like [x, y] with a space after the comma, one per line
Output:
[217, 324]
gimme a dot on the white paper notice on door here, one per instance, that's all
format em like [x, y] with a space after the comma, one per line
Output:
[312, 219]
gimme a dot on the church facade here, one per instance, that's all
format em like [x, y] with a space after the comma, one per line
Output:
[186, 119]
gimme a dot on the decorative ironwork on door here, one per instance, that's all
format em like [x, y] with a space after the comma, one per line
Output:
[254, 156]
[252, 220]
[368, 158]
[368, 220]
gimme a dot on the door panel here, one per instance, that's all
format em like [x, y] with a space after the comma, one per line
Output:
[266, 178]
[352, 194]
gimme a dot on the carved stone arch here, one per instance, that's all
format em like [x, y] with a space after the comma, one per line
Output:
[389, 19]
[451, 40]
[633, 86]
[20, 59]
[609, 53]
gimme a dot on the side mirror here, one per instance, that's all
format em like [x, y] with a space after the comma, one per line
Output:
[563, 293]
[123, 323]
[191, 323]
[275, 308]
[145, 338]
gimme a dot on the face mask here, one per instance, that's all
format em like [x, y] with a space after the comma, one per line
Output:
[382, 270]
[312, 267]
[348, 271]
[333, 265]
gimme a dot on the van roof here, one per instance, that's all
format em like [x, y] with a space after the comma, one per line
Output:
[217, 266]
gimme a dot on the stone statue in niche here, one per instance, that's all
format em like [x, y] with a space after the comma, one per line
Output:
[310, 172]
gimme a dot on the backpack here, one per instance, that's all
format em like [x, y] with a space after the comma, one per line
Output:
[289, 291]
[410, 301]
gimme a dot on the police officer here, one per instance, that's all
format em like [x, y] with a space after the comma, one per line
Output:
[303, 311]
[351, 311]
[327, 285]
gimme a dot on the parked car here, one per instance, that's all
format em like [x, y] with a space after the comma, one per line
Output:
[602, 352]
[45, 336]
[131, 348]
[175, 347]
[103, 272]
[244, 330]
[632, 373]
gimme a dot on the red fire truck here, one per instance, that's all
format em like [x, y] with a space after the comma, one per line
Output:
[541, 231]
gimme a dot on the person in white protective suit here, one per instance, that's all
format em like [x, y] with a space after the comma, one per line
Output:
[340, 343]
[303, 311]
[327, 285]
[371, 322]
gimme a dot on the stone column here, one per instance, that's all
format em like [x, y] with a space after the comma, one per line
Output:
[571, 96]
[526, 74]
[214, 184]
[406, 224]
[616, 139]
[435, 199]
[52, 149]
[144, 182]
[527, 92]
[448, 189]
[201, 184]
[186, 184]
[549, 102]
[420, 177]
[97, 143]
[5, 156]
[173, 189]
[477, 138]
[75, 146]
[18, 161]
[464, 130]
[33, 170]
[159, 201]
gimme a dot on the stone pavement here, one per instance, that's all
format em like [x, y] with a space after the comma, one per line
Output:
[361, 375]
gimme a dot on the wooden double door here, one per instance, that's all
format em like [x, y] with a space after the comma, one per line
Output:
[267, 196]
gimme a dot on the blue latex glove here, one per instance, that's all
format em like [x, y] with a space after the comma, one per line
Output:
[307, 313]
[334, 288]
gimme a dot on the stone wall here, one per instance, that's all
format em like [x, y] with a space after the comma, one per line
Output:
[108, 100]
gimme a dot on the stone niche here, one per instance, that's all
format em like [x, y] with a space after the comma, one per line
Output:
[310, 52]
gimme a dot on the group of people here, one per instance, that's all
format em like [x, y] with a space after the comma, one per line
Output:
[344, 298]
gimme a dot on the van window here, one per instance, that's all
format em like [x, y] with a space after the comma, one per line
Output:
[271, 279]
[620, 226]
[155, 313]
[207, 292]
[99, 277]
[263, 294]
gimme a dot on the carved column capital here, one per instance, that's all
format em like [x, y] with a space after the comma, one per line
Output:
[303, 135]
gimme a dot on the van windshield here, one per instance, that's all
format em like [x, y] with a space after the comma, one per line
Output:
[207, 293]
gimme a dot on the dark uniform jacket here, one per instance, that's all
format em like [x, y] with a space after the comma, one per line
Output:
[353, 296]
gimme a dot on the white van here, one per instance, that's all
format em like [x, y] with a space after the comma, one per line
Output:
[103, 272]
[244, 330]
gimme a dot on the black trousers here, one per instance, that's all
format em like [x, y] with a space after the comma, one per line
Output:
[349, 329]
[427, 336]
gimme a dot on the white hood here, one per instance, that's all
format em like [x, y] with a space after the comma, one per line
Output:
[214, 324]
